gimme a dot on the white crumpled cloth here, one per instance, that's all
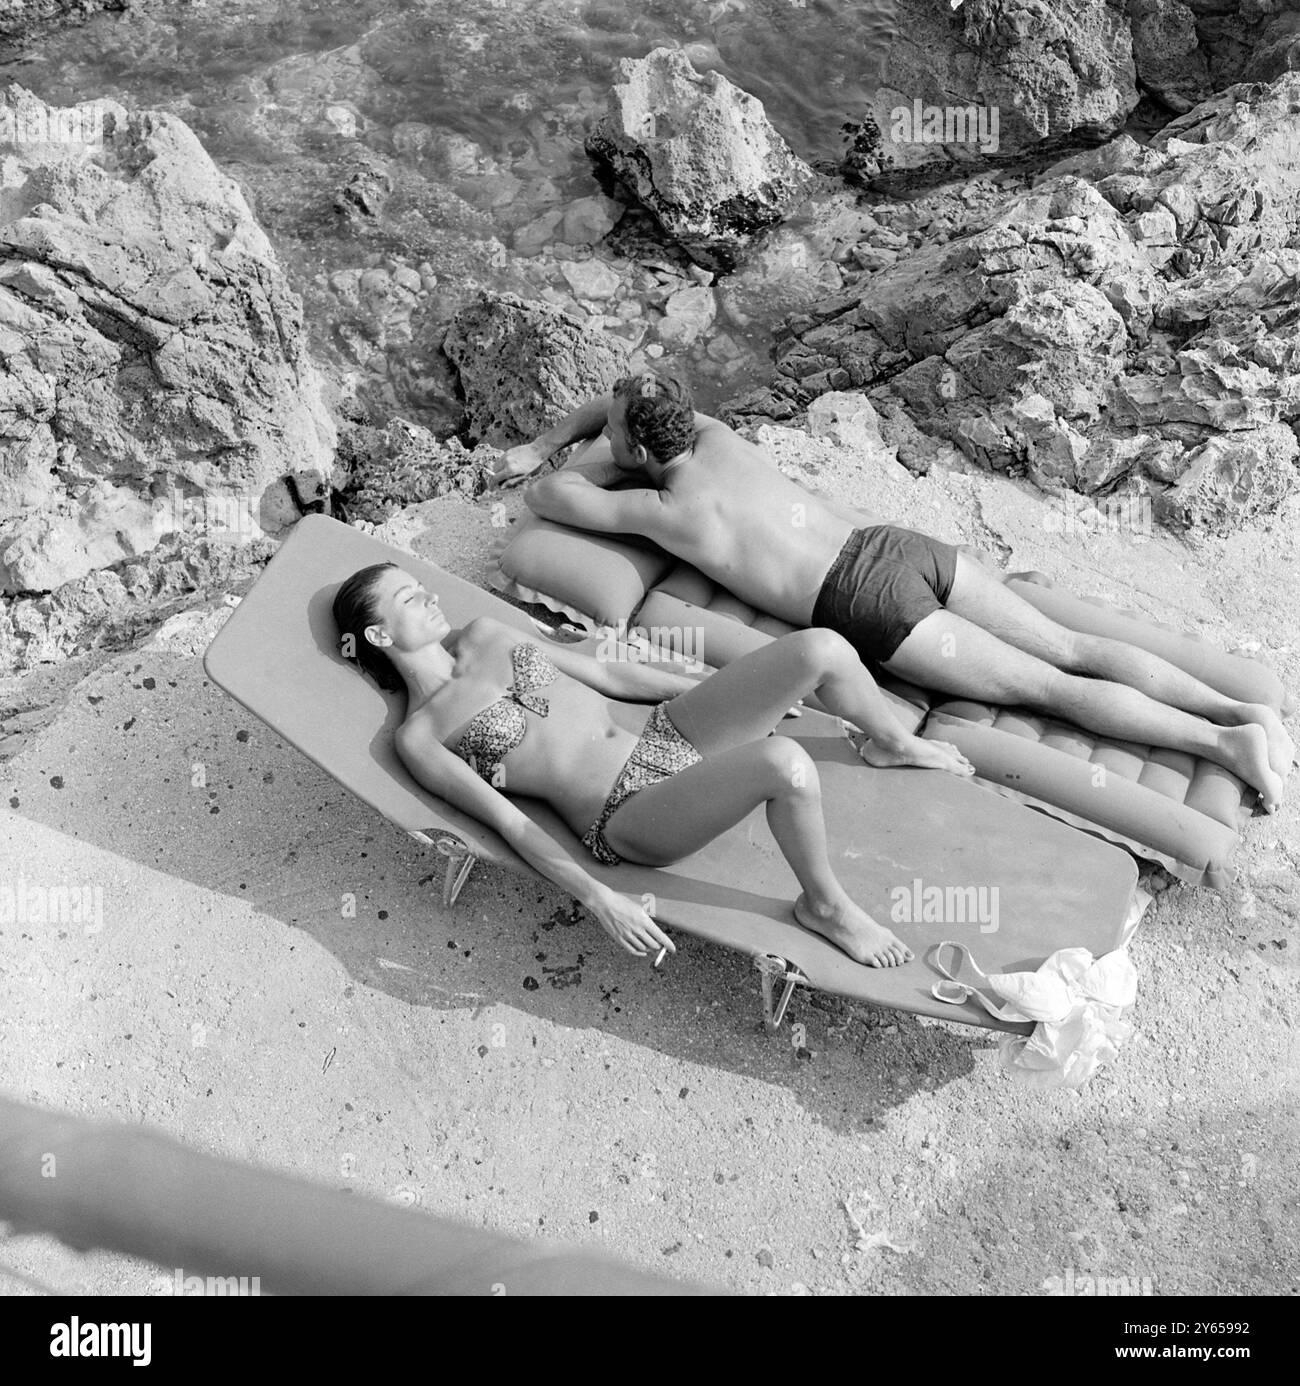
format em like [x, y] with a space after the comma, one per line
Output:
[1078, 1002]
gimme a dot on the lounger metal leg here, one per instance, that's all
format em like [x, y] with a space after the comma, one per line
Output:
[460, 862]
[770, 970]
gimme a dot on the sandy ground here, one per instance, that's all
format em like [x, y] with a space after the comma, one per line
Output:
[500, 1062]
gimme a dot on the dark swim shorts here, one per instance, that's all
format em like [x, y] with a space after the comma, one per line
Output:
[884, 581]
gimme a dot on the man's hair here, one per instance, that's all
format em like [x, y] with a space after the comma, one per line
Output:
[660, 413]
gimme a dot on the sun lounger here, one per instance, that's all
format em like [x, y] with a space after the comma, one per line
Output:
[903, 841]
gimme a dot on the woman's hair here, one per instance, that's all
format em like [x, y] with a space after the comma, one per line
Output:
[354, 610]
[660, 413]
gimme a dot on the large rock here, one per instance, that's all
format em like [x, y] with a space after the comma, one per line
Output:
[1233, 477]
[524, 365]
[996, 76]
[1130, 317]
[404, 464]
[23, 19]
[1247, 40]
[151, 346]
[699, 154]
[115, 606]
[1167, 53]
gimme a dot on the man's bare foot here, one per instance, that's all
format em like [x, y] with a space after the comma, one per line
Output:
[853, 930]
[927, 755]
[1281, 749]
[1244, 750]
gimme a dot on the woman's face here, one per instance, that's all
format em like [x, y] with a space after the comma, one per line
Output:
[407, 612]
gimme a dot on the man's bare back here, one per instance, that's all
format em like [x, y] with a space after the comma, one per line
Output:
[721, 505]
[733, 515]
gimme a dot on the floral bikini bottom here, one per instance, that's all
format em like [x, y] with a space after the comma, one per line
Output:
[658, 755]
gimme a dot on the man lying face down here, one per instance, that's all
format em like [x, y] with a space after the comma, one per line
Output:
[910, 604]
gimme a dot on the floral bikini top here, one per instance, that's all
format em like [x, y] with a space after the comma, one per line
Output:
[493, 733]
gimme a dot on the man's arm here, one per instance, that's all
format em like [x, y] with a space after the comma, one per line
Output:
[586, 421]
[569, 498]
[602, 471]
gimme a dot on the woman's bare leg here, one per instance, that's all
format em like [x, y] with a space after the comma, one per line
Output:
[678, 816]
[745, 699]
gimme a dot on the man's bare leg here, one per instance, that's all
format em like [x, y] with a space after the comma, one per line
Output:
[981, 599]
[950, 654]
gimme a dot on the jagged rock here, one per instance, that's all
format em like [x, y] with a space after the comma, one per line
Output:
[1052, 447]
[846, 419]
[1273, 49]
[365, 192]
[113, 606]
[1167, 54]
[524, 365]
[699, 154]
[1233, 477]
[1065, 343]
[917, 451]
[24, 19]
[757, 407]
[588, 220]
[688, 313]
[311, 492]
[590, 279]
[405, 464]
[1092, 331]
[960, 327]
[150, 343]
[1107, 460]
[1246, 40]
[997, 77]
[1227, 170]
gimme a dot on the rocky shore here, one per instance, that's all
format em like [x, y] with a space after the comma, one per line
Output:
[1112, 326]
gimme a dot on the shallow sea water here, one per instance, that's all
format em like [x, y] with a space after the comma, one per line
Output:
[289, 96]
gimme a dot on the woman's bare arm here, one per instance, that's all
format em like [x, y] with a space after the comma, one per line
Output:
[445, 774]
[442, 773]
[616, 672]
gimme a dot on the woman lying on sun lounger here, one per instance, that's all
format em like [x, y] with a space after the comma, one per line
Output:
[681, 773]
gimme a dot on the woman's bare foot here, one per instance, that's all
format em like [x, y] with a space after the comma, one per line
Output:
[853, 930]
[1281, 749]
[1244, 750]
[927, 755]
